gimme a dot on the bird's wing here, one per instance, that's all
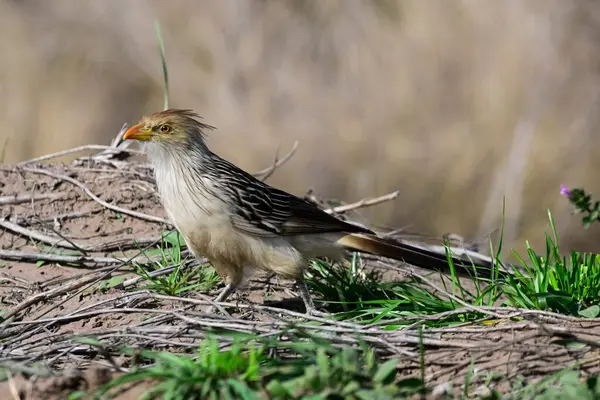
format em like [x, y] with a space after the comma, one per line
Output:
[262, 210]
[279, 213]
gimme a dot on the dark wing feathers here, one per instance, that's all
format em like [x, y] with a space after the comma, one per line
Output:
[262, 210]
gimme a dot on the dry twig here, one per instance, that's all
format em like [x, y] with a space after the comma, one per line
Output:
[96, 198]
[267, 172]
[77, 150]
[368, 202]
[25, 198]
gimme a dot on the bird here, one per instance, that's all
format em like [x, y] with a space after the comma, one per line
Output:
[240, 223]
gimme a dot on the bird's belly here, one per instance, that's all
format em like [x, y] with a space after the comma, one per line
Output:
[204, 229]
[203, 220]
[200, 217]
[212, 235]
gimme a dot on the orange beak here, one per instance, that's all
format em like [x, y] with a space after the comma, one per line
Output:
[137, 132]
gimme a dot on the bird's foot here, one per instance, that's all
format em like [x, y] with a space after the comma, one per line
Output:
[227, 290]
[308, 303]
[313, 312]
[213, 310]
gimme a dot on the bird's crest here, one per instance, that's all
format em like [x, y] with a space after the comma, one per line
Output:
[181, 116]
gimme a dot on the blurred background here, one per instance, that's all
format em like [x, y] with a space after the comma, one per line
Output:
[458, 104]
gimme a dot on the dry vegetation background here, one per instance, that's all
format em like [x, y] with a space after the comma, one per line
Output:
[455, 103]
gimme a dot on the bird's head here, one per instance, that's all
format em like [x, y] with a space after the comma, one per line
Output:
[169, 127]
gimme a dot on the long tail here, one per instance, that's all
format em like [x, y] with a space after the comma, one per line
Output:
[418, 256]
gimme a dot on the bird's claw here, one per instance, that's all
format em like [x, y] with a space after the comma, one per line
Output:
[313, 312]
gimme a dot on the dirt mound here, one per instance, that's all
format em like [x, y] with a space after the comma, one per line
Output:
[68, 235]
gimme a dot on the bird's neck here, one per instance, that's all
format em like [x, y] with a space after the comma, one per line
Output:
[189, 157]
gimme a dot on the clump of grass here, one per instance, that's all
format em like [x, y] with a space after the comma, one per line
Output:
[361, 295]
[569, 285]
[342, 373]
[566, 384]
[211, 373]
[182, 279]
[308, 370]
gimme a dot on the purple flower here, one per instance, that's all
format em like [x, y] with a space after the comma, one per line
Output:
[564, 191]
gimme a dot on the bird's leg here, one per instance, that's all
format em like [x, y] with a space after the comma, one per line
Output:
[225, 293]
[307, 299]
[232, 276]
[305, 295]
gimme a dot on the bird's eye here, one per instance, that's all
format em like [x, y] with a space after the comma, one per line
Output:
[165, 128]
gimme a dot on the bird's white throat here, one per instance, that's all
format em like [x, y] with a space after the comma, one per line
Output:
[184, 192]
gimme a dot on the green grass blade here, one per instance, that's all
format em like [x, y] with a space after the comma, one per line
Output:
[163, 59]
